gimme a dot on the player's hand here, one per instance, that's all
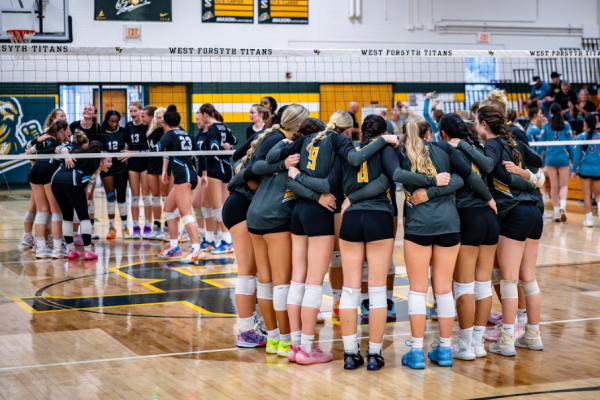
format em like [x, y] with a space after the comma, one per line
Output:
[253, 185]
[227, 146]
[419, 197]
[327, 200]
[442, 179]
[345, 206]
[492, 204]
[165, 178]
[69, 162]
[292, 161]
[293, 172]
[391, 139]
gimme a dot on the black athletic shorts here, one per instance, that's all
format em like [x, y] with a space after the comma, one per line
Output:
[443, 240]
[137, 164]
[594, 178]
[367, 226]
[278, 229]
[309, 218]
[155, 166]
[478, 226]
[41, 173]
[235, 209]
[217, 175]
[228, 171]
[339, 200]
[522, 222]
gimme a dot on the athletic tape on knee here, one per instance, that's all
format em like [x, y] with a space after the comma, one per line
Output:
[155, 201]
[296, 294]
[496, 276]
[75, 217]
[41, 218]
[57, 216]
[313, 296]
[29, 217]
[198, 213]
[483, 290]
[350, 298]
[169, 216]
[86, 227]
[336, 260]
[135, 201]
[280, 296]
[508, 290]
[365, 274]
[111, 197]
[188, 219]
[67, 228]
[92, 207]
[245, 285]
[461, 289]
[111, 208]
[377, 297]
[392, 270]
[218, 214]
[264, 291]
[416, 303]
[529, 288]
[445, 305]
[122, 209]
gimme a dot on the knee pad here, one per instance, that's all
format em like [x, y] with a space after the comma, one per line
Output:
[508, 290]
[29, 217]
[264, 291]
[198, 213]
[313, 296]
[75, 217]
[336, 260]
[392, 270]
[188, 219]
[218, 214]
[483, 290]
[350, 298]
[86, 227]
[92, 207]
[208, 212]
[111, 208]
[135, 201]
[147, 201]
[176, 213]
[365, 277]
[377, 297]
[245, 285]
[529, 288]
[445, 305]
[57, 216]
[280, 296]
[41, 218]
[67, 228]
[462, 289]
[416, 303]
[496, 276]
[295, 294]
[155, 201]
[111, 197]
[169, 216]
[48, 222]
[122, 208]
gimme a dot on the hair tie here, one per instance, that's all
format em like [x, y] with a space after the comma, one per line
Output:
[334, 126]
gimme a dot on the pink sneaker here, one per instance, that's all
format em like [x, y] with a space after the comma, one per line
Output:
[90, 255]
[73, 255]
[78, 240]
[519, 331]
[495, 319]
[316, 356]
[492, 334]
[291, 356]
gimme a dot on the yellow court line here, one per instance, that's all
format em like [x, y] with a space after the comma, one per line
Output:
[218, 285]
[204, 311]
[133, 278]
[185, 303]
[187, 273]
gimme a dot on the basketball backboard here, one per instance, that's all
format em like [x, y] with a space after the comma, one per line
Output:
[49, 18]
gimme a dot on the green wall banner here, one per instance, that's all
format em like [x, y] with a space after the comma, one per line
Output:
[133, 10]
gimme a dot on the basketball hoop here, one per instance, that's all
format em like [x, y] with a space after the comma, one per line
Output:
[21, 35]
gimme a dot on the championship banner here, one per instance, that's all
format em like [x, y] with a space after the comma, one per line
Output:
[133, 10]
[283, 12]
[228, 11]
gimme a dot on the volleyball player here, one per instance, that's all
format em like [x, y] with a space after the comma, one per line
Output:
[536, 117]
[115, 179]
[586, 165]
[257, 114]
[154, 172]
[200, 201]
[270, 104]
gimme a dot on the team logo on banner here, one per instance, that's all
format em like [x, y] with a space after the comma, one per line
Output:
[15, 134]
[130, 5]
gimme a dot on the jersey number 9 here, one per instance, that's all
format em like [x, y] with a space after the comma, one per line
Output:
[312, 158]
[363, 173]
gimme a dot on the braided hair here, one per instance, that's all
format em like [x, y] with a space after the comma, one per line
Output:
[338, 123]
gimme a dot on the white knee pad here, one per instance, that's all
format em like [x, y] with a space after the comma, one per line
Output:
[529, 288]
[188, 219]
[176, 213]
[135, 201]
[218, 214]
[336, 260]
[313, 296]
[29, 217]
[377, 297]
[41, 218]
[245, 285]
[169, 215]
[350, 298]
[416, 303]
[264, 291]
[508, 290]
[111, 208]
[496, 276]
[147, 200]
[57, 216]
[198, 213]
[92, 206]
[208, 212]
[75, 217]
[445, 305]
[392, 270]
[365, 277]
[483, 290]
[67, 228]
[155, 201]
[295, 294]
[49, 222]
[280, 297]
[461, 289]
[86, 227]
[122, 208]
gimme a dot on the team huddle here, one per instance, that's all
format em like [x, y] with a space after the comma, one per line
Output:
[299, 199]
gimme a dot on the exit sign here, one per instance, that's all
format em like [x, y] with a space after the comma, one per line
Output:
[483, 37]
[133, 32]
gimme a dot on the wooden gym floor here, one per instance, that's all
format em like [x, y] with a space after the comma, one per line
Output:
[129, 326]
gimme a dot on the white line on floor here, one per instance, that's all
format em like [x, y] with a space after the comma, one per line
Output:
[572, 251]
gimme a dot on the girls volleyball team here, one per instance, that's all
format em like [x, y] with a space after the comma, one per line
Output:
[305, 199]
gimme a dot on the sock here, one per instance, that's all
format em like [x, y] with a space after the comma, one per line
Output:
[88, 247]
[534, 327]
[111, 223]
[201, 233]
[71, 246]
[246, 324]
[123, 223]
[196, 246]
[466, 335]
[364, 296]
[509, 328]
[350, 344]
[285, 338]
[563, 205]
[390, 294]
[417, 343]
[374, 348]
[136, 224]
[57, 243]
[556, 210]
[296, 338]
[174, 242]
[335, 294]
[226, 237]
[306, 341]
[210, 237]
[40, 243]
[521, 315]
[157, 223]
[478, 333]
[445, 342]
[589, 215]
[28, 234]
[274, 334]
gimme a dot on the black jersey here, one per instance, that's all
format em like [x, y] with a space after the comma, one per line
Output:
[136, 139]
[80, 175]
[216, 137]
[155, 163]
[114, 142]
[92, 133]
[178, 140]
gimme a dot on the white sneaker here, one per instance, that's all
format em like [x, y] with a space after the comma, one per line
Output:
[46, 252]
[479, 349]
[531, 340]
[588, 222]
[463, 351]
[320, 318]
[58, 253]
[27, 241]
[95, 236]
[504, 346]
[156, 233]
[547, 215]
[557, 217]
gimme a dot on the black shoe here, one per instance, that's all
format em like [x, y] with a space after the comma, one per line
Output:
[375, 362]
[353, 361]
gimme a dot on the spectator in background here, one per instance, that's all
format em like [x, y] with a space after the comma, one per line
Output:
[539, 90]
[474, 109]
[270, 104]
[434, 117]
[555, 83]
[394, 123]
[564, 97]
[583, 106]
[352, 110]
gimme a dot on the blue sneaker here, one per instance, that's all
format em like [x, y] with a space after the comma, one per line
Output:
[223, 248]
[440, 355]
[415, 358]
[391, 310]
[364, 310]
[207, 246]
[170, 252]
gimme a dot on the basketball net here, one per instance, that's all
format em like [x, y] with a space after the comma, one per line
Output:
[21, 36]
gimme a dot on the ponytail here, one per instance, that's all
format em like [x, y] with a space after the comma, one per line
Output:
[590, 121]
[373, 126]
[495, 117]
[80, 138]
[339, 122]
[557, 123]
[415, 148]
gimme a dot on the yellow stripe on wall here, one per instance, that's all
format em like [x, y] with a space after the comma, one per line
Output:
[254, 97]
[459, 97]
[403, 97]
[289, 15]
[243, 117]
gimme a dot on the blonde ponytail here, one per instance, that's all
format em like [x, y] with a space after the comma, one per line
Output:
[80, 138]
[338, 123]
[154, 124]
[496, 98]
[417, 152]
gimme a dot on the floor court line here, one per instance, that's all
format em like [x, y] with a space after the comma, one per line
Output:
[231, 349]
[572, 251]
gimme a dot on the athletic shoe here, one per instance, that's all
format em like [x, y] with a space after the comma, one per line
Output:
[463, 351]
[563, 215]
[112, 233]
[442, 356]
[291, 355]
[531, 340]
[136, 233]
[415, 358]
[272, 346]
[434, 315]
[184, 238]
[320, 318]
[58, 253]
[547, 215]
[479, 349]
[251, 339]
[374, 362]
[73, 255]
[364, 311]
[193, 256]
[283, 348]
[90, 255]
[260, 327]
[207, 246]
[78, 240]
[519, 331]
[170, 252]
[147, 233]
[316, 356]
[588, 222]
[27, 241]
[50, 241]
[495, 319]
[336, 309]
[126, 234]
[504, 346]
[156, 233]
[391, 310]
[353, 361]
[223, 248]
[46, 252]
[94, 234]
[493, 335]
